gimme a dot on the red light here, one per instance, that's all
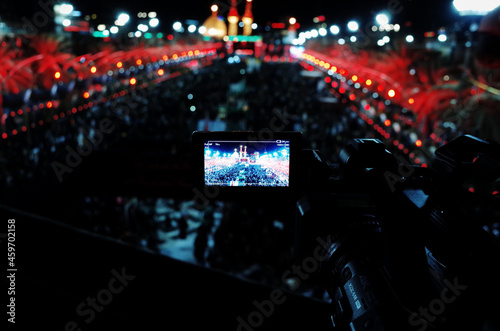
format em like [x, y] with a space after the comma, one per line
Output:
[391, 93]
[278, 25]
[14, 132]
[429, 34]
[335, 85]
[328, 80]
[418, 143]
[57, 75]
[352, 97]
[380, 88]
[56, 117]
[367, 107]
[86, 95]
[154, 58]
[138, 62]
[417, 160]
[12, 113]
[342, 90]
[424, 165]
[492, 193]
[49, 104]
[368, 82]
[119, 64]
[133, 81]
[161, 72]
[93, 69]
[4, 135]
[170, 37]
[395, 142]
[401, 146]
[387, 122]
[471, 190]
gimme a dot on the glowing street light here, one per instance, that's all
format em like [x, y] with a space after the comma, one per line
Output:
[178, 26]
[475, 7]
[122, 19]
[382, 19]
[353, 26]
[322, 32]
[334, 29]
[64, 8]
[154, 22]
[191, 28]
[142, 27]
[409, 38]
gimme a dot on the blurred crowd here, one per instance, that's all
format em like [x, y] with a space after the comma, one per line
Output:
[249, 239]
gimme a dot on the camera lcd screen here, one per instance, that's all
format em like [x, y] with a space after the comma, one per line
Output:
[247, 163]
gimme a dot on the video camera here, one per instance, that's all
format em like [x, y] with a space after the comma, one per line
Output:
[404, 247]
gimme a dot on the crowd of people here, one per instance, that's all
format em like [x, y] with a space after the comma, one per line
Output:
[245, 175]
[248, 238]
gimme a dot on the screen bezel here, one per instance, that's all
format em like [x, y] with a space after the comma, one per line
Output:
[200, 137]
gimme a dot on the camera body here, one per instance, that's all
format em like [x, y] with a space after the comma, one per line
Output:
[402, 243]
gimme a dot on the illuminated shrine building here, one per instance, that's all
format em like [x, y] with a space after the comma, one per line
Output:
[233, 19]
[214, 25]
[247, 19]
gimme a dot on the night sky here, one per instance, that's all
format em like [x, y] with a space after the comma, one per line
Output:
[427, 13]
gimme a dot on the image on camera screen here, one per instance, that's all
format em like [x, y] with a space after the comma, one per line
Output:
[247, 163]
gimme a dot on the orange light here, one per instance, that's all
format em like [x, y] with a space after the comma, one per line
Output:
[165, 58]
[354, 78]
[196, 52]
[175, 56]
[411, 101]
[391, 93]
[132, 81]
[93, 69]
[119, 64]
[368, 82]
[138, 62]
[418, 143]
[57, 75]
[86, 95]
[190, 53]
[334, 69]
[49, 104]
[160, 72]
[387, 122]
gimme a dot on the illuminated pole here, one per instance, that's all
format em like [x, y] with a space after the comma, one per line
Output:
[233, 19]
[247, 19]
